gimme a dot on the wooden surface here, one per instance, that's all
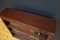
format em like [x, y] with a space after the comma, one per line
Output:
[5, 33]
[41, 22]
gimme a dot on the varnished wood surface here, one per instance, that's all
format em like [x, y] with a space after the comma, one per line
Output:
[41, 22]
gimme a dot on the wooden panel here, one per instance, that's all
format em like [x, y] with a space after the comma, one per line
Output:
[41, 22]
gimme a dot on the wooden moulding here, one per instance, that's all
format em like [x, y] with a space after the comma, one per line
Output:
[18, 23]
[46, 26]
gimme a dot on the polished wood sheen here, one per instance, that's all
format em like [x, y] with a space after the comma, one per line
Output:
[40, 22]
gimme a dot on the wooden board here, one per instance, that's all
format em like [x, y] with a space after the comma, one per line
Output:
[40, 22]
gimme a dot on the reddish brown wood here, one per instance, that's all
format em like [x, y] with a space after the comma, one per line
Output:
[41, 22]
